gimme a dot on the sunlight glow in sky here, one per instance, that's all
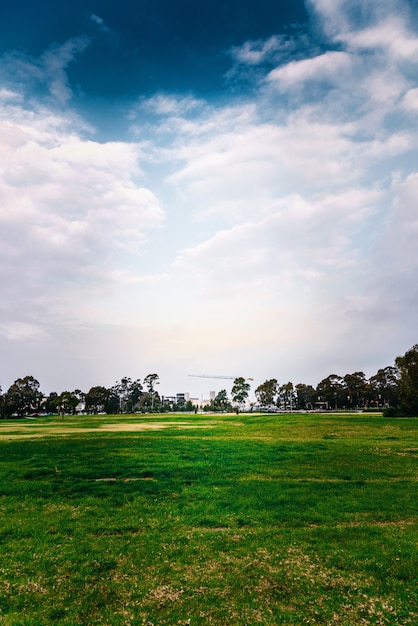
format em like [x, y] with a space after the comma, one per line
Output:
[230, 190]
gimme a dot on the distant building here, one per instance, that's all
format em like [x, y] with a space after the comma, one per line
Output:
[81, 407]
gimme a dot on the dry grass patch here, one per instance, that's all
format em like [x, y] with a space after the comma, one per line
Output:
[36, 431]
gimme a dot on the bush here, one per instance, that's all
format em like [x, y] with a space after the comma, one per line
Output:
[401, 411]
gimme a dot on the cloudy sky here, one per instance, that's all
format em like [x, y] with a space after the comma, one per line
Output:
[217, 187]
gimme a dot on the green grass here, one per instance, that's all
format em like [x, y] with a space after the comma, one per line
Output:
[226, 520]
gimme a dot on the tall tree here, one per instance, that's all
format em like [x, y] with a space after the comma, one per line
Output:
[51, 402]
[23, 397]
[287, 396]
[240, 390]
[384, 386]
[332, 391]
[408, 382]
[99, 399]
[135, 393]
[66, 402]
[357, 389]
[129, 392]
[266, 393]
[305, 396]
[150, 381]
[221, 401]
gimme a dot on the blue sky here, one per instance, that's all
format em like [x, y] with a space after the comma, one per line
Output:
[218, 187]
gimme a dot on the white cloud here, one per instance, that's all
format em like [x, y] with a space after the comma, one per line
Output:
[163, 104]
[243, 172]
[339, 17]
[410, 100]
[301, 196]
[296, 242]
[383, 315]
[54, 63]
[72, 215]
[256, 52]
[48, 71]
[6, 95]
[376, 26]
[330, 65]
[397, 248]
[288, 246]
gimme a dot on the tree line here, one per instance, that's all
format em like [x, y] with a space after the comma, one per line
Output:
[393, 388]
[126, 396]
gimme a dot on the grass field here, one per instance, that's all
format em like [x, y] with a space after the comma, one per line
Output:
[226, 520]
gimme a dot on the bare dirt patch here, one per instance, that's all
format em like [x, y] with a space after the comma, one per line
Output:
[133, 427]
[38, 430]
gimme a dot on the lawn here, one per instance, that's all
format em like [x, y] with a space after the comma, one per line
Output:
[200, 519]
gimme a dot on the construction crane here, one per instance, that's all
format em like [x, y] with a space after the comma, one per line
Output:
[221, 377]
[208, 376]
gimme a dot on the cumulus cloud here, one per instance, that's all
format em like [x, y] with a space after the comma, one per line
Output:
[339, 17]
[324, 67]
[302, 185]
[410, 100]
[73, 218]
[377, 27]
[391, 36]
[290, 220]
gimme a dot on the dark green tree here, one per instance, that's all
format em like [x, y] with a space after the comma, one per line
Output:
[51, 402]
[23, 397]
[221, 401]
[266, 393]
[149, 403]
[305, 396]
[189, 407]
[99, 399]
[135, 393]
[129, 392]
[384, 387]
[408, 381]
[357, 389]
[240, 391]
[332, 391]
[66, 402]
[287, 396]
[150, 381]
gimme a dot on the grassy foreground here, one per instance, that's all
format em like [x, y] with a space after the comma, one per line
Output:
[226, 520]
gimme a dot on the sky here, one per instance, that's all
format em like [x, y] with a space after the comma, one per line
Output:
[223, 188]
